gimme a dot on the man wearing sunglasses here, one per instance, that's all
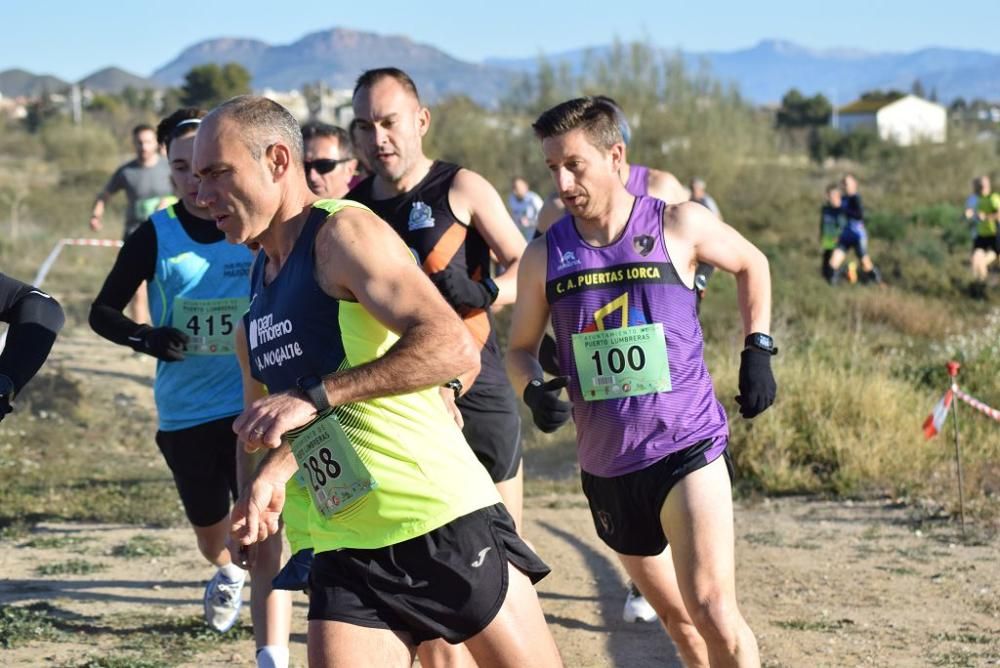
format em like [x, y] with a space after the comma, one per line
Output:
[329, 160]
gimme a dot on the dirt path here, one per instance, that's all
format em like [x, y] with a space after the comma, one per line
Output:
[822, 583]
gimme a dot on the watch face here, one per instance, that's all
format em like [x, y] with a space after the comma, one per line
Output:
[765, 341]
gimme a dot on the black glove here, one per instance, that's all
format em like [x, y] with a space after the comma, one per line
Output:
[462, 292]
[548, 357]
[547, 409]
[757, 386]
[6, 392]
[163, 343]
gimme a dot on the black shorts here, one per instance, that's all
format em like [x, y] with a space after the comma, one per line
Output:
[493, 428]
[987, 244]
[203, 461]
[626, 508]
[449, 583]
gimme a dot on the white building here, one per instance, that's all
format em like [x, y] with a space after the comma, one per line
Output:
[905, 120]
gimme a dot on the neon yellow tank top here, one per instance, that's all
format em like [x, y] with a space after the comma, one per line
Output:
[426, 473]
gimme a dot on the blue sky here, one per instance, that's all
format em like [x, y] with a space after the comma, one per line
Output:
[73, 39]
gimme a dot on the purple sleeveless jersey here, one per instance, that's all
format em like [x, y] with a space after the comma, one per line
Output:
[638, 180]
[621, 435]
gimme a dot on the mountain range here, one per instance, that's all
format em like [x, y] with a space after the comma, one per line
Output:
[763, 72]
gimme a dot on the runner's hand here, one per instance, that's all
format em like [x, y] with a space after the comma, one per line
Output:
[461, 291]
[255, 515]
[95, 224]
[547, 409]
[163, 343]
[757, 386]
[241, 555]
[548, 357]
[448, 397]
[266, 420]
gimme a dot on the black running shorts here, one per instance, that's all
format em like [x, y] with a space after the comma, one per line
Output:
[203, 461]
[493, 428]
[449, 583]
[626, 508]
[987, 243]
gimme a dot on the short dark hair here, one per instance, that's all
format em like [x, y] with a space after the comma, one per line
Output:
[179, 124]
[597, 117]
[979, 184]
[369, 78]
[142, 127]
[314, 129]
[262, 121]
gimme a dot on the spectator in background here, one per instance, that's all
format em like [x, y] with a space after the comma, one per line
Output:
[701, 196]
[524, 205]
[329, 159]
[704, 270]
[853, 236]
[971, 212]
[146, 182]
[362, 170]
[985, 244]
[831, 223]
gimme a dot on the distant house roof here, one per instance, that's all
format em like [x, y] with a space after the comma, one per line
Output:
[869, 106]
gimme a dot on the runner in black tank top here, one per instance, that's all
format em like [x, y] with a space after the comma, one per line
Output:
[452, 219]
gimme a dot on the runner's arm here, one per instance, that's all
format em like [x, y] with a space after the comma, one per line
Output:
[393, 289]
[552, 211]
[694, 235]
[136, 263]
[35, 319]
[665, 186]
[115, 183]
[471, 192]
[531, 313]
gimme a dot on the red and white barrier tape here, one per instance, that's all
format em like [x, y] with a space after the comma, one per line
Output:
[976, 403]
[113, 243]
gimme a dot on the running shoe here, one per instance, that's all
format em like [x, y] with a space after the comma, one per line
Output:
[223, 599]
[637, 608]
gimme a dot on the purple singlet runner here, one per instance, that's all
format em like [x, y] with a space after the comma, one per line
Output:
[637, 183]
[629, 283]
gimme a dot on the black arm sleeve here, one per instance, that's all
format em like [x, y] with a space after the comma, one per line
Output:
[35, 318]
[136, 263]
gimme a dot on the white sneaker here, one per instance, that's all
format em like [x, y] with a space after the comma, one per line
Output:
[637, 608]
[223, 599]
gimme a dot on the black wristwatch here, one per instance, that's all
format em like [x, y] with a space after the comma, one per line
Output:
[761, 342]
[312, 385]
[456, 386]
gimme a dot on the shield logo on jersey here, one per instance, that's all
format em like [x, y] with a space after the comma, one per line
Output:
[604, 518]
[421, 217]
[643, 244]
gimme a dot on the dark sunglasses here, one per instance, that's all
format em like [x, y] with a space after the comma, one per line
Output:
[324, 165]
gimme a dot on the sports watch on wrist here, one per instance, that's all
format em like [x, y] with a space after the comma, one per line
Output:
[455, 385]
[761, 342]
[312, 386]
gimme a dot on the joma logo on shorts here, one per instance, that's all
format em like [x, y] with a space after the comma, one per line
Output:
[481, 558]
